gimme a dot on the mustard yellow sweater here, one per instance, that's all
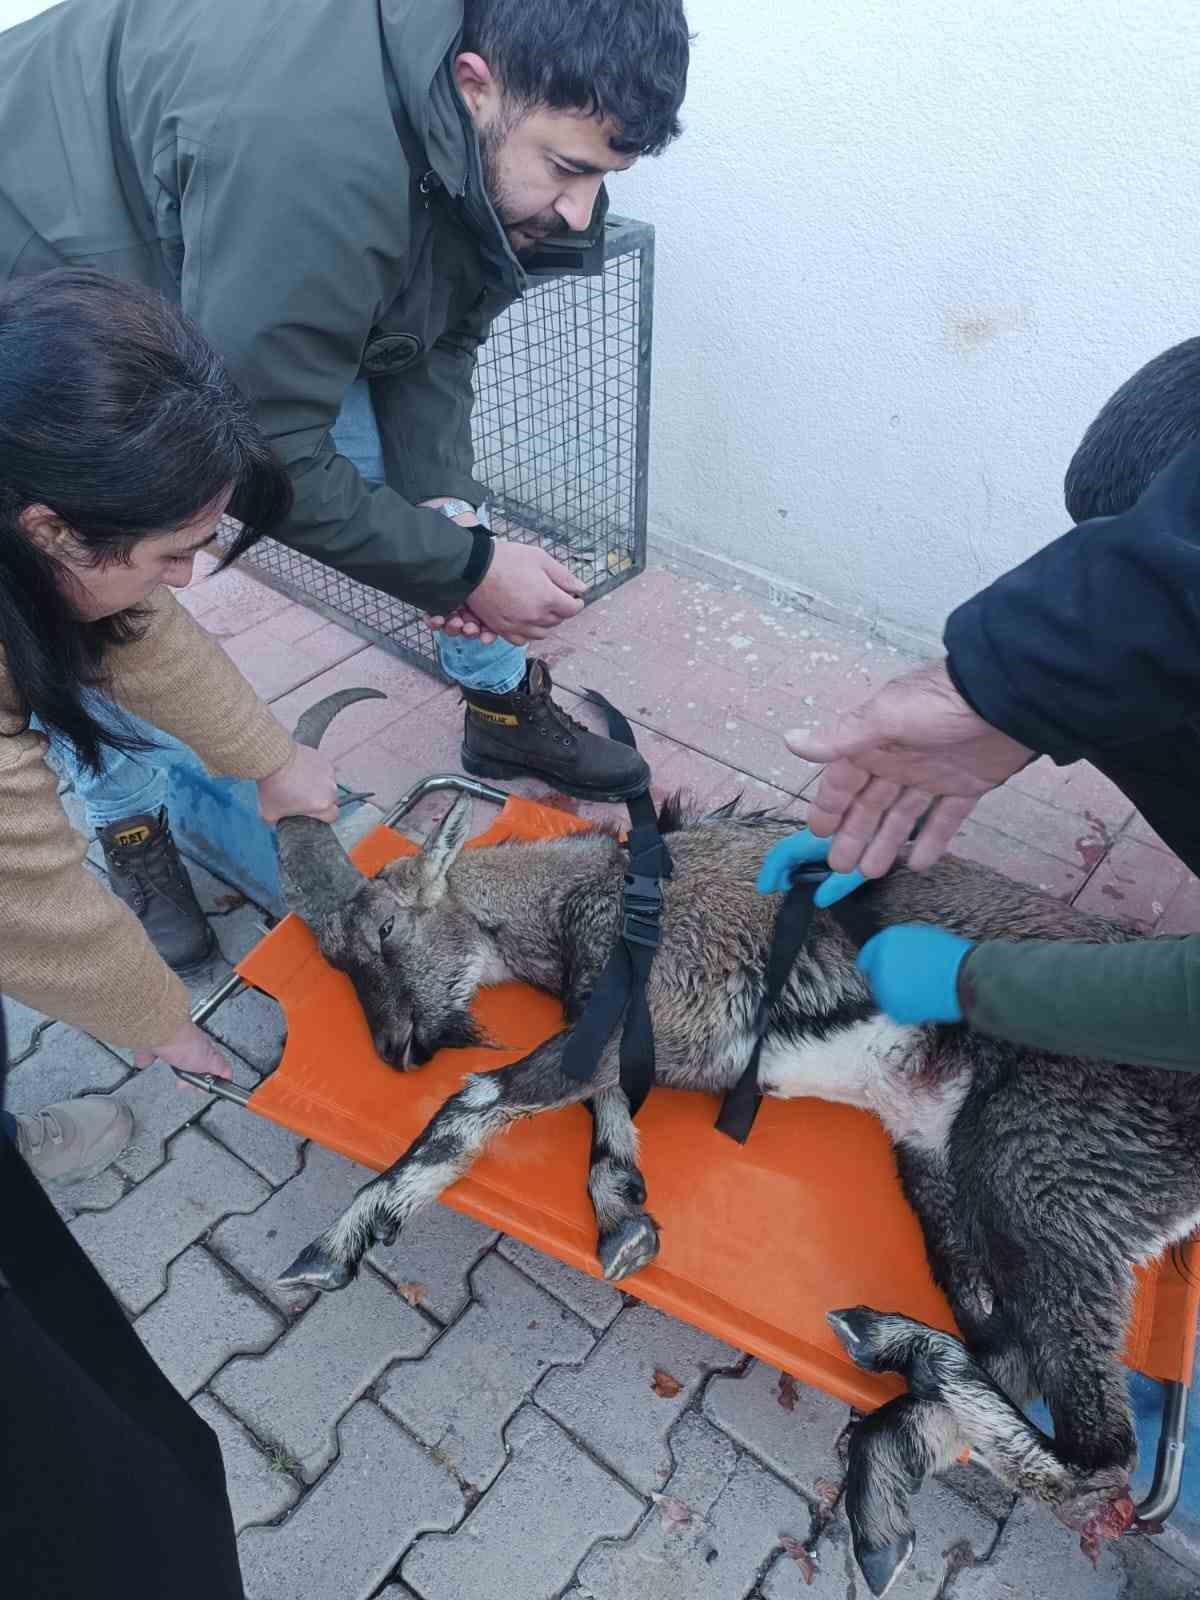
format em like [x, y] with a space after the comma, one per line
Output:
[68, 946]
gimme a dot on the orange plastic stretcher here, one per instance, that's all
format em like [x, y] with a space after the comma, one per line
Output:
[758, 1240]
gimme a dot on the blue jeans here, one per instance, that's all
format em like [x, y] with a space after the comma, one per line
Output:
[129, 784]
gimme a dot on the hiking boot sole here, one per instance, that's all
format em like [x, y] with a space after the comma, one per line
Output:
[487, 767]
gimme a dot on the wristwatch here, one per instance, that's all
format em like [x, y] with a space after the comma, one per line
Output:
[456, 508]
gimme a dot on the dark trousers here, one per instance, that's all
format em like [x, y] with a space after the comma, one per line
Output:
[1162, 778]
[111, 1486]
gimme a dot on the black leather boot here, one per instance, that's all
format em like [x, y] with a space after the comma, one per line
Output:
[523, 734]
[145, 871]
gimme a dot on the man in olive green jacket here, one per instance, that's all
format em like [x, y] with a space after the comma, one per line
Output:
[340, 194]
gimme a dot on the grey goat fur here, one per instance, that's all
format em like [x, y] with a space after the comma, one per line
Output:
[1038, 1180]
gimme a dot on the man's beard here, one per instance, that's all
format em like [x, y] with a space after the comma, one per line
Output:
[542, 224]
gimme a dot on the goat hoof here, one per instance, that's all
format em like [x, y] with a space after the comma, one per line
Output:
[628, 1248]
[315, 1268]
[881, 1568]
[855, 1328]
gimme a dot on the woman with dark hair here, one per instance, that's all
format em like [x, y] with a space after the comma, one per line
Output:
[123, 443]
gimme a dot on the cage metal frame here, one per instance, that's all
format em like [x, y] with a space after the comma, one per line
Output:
[561, 428]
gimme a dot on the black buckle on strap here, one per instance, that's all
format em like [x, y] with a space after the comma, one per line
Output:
[641, 908]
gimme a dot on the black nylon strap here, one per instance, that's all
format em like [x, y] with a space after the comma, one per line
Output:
[621, 986]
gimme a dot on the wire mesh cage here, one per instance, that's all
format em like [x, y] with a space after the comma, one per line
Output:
[561, 434]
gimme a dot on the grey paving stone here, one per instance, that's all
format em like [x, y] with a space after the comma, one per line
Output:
[295, 1394]
[97, 1194]
[21, 1024]
[162, 1104]
[949, 1533]
[798, 1444]
[260, 1246]
[1152, 1574]
[1036, 1555]
[357, 822]
[737, 1512]
[436, 1252]
[133, 1241]
[460, 1397]
[524, 1539]
[203, 1319]
[1180, 1539]
[66, 1063]
[259, 1491]
[252, 1024]
[610, 1402]
[273, 1151]
[343, 1541]
[592, 1299]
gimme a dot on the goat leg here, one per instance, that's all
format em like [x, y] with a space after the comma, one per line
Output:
[891, 1452]
[628, 1238]
[485, 1105]
[938, 1367]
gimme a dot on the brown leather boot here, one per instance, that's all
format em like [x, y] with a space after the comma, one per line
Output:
[523, 734]
[145, 871]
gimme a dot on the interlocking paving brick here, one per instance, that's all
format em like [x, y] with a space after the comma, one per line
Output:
[259, 1491]
[132, 1242]
[460, 1397]
[524, 1539]
[437, 1249]
[1036, 1555]
[405, 687]
[436, 1253]
[632, 1436]
[735, 1512]
[799, 1444]
[345, 1538]
[97, 1194]
[203, 1319]
[1017, 858]
[21, 1026]
[294, 1395]
[1152, 1574]
[252, 1024]
[273, 1151]
[591, 1298]
[949, 1533]
[162, 1104]
[66, 1063]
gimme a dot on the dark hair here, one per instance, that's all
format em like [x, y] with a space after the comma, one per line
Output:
[1150, 419]
[118, 416]
[621, 60]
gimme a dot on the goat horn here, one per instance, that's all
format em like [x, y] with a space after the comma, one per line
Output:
[316, 874]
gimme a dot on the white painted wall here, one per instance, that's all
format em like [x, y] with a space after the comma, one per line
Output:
[906, 248]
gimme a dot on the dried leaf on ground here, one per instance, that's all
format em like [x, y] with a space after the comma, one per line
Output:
[413, 1293]
[664, 1385]
[827, 1494]
[674, 1513]
[786, 1393]
[800, 1555]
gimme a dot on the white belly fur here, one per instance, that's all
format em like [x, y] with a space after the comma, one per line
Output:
[867, 1065]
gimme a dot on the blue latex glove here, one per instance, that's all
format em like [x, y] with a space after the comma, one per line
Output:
[913, 972]
[775, 874]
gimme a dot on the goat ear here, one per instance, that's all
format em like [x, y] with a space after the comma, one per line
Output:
[441, 848]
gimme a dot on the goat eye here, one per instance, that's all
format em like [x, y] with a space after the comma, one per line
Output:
[386, 928]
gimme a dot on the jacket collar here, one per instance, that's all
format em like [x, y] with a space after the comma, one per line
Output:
[420, 39]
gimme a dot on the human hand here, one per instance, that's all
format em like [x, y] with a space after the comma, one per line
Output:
[305, 786]
[915, 746]
[913, 972]
[464, 623]
[801, 849]
[525, 593]
[191, 1050]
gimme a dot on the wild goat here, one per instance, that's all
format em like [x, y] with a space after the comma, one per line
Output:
[1038, 1180]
